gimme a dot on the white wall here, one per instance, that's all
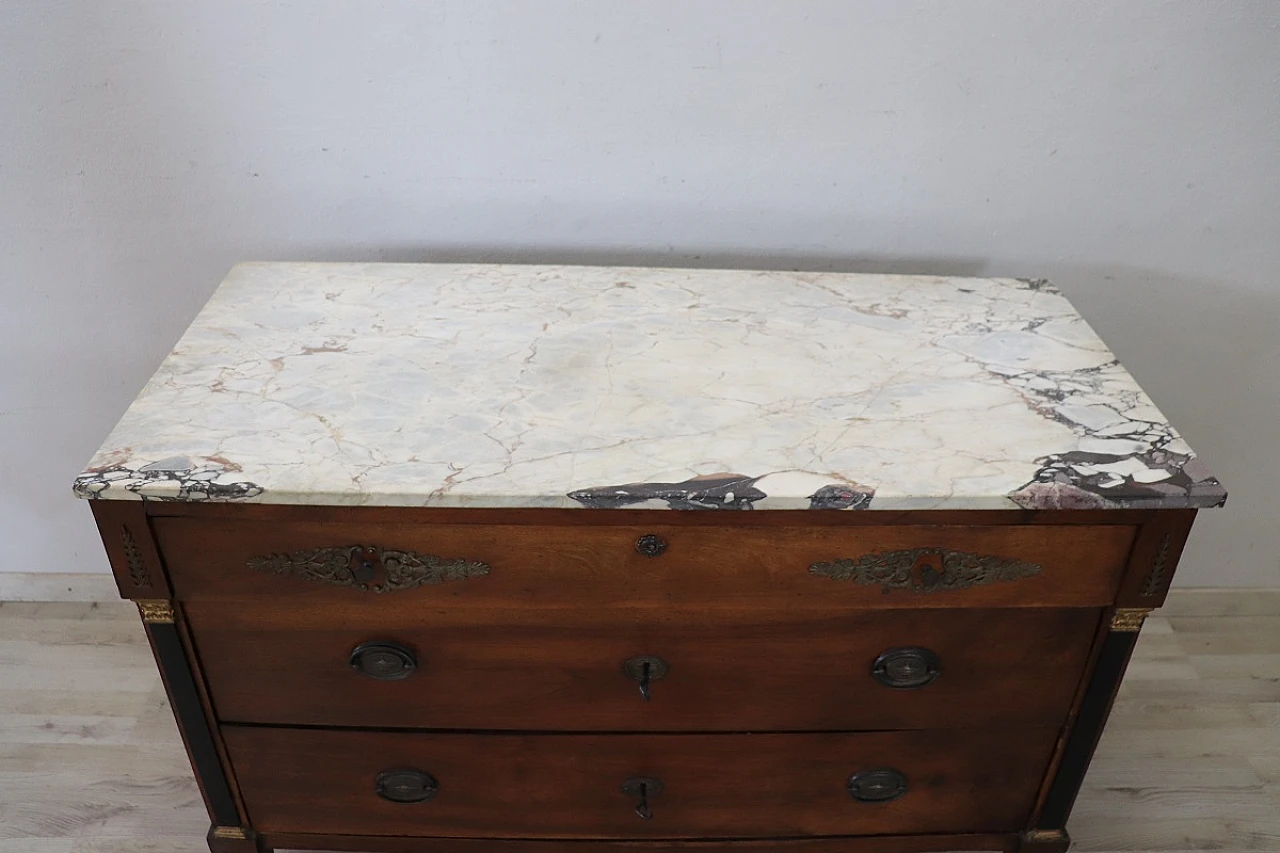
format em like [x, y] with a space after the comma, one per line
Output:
[1130, 151]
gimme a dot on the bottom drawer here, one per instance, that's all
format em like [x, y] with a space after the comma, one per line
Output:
[591, 786]
[1003, 843]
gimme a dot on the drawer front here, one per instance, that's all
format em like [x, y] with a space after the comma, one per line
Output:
[827, 844]
[590, 786]
[652, 566]
[388, 664]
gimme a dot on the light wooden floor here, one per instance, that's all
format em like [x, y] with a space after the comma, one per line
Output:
[90, 760]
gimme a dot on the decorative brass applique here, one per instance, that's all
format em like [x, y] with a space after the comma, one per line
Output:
[926, 569]
[138, 574]
[1044, 836]
[1129, 618]
[369, 569]
[1155, 577]
[155, 610]
[235, 832]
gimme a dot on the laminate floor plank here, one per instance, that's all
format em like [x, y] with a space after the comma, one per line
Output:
[162, 844]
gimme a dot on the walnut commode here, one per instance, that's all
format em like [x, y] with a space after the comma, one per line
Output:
[384, 525]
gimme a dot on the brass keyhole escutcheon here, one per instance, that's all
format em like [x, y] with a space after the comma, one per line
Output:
[643, 787]
[651, 545]
[645, 669]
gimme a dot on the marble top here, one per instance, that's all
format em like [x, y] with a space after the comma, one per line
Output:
[563, 386]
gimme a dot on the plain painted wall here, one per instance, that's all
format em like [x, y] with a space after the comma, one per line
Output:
[1127, 150]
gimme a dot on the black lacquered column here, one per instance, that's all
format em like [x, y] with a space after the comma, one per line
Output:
[1050, 832]
[194, 724]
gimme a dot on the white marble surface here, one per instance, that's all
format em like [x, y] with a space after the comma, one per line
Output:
[523, 386]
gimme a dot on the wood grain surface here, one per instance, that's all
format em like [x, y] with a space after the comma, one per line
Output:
[595, 567]
[784, 670]
[569, 786]
[897, 844]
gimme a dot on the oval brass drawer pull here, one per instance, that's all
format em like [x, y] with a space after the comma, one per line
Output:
[906, 668]
[406, 786]
[383, 661]
[877, 786]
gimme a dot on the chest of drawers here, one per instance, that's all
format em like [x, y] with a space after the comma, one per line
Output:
[405, 542]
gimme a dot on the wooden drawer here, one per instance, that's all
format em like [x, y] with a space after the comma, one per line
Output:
[571, 786]
[571, 567]
[968, 843]
[269, 662]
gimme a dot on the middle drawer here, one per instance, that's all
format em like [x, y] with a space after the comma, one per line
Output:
[406, 666]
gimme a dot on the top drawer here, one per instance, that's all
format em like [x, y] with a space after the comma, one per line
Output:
[650, 566]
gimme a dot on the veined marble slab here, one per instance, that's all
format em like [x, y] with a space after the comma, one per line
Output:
[561, 386]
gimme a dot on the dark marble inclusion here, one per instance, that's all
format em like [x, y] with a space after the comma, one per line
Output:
[1069, 481]
[713, 491]
[194, 483]
[841, 497]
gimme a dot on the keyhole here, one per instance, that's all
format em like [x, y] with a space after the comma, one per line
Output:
[643, 809]
[643, 787]
[644, 670]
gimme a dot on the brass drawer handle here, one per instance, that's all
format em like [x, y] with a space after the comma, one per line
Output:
[906, 668]
[645, 669]
[406, 786]
[877, 786]
[383, 661]
[643, 787]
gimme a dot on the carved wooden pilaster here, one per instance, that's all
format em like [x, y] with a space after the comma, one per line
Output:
[131, 549]
[1154, 558]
